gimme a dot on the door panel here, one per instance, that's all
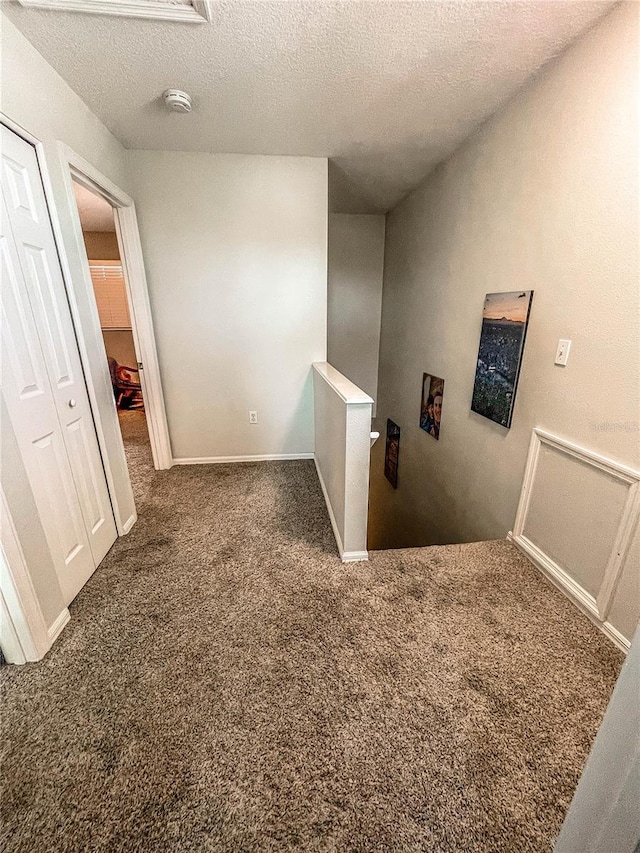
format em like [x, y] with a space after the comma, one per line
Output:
[56, 479]
[37, 253]
[19, 196]
[84, 473]
[47, 310]
[19, 331]
[29, 400]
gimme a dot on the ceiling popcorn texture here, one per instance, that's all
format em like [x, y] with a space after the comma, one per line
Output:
[385, 88]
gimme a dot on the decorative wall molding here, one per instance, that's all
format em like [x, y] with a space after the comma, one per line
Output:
[615, 636]
[571, 589]
[596, 607]
[194, 12]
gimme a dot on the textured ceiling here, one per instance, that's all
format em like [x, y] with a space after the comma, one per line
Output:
[385, 88]
[96, 214]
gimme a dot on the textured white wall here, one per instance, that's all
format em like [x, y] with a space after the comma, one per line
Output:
[544, 196]
[235, 248]
[38, 99]
[354, 298]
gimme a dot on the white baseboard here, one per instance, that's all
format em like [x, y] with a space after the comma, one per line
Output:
[354, 556]
[345, 556]
[60, 623]
[126, 527]
[615, 636]
[567, 585]
[332, 518]
[220, 460]
[560, 578]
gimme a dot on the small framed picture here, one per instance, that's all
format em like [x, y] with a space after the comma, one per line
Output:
[431, 404]
[391, 453]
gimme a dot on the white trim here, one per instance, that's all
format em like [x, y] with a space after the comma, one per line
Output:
[137, 292]
[73, 305]
[10, 644]
[558, 576]
[27, 624]
[126, 527]
[615, 636]
[144, 336]
[205, 9]
[332, 517]
[221, 460]
[581, 599]
[344, 388]
[355, 556]
[597, 608]
[345, 556]
[199, 12]
[620, 550]
[58, 626]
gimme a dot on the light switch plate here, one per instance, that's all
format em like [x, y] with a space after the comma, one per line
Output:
[562, 353]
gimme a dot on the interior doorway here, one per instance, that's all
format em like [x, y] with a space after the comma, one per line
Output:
[67, 486]
[97, 219]
[57, 467]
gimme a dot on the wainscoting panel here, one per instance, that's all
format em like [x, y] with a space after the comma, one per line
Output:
[577, 521]
[626, 601]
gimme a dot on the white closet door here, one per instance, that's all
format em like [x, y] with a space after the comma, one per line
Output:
[43, 381]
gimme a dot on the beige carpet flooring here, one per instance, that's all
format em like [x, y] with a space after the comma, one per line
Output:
[225, 684]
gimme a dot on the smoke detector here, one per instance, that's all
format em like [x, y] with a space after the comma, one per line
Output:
[177, 101]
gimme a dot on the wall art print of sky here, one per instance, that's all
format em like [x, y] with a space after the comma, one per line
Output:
[504, 328]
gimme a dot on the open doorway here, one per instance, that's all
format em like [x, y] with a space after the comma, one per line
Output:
[114, 311]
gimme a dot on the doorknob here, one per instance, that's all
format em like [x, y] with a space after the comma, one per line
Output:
[72, 404]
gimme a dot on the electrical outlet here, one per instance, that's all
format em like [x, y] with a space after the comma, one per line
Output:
[253, 417]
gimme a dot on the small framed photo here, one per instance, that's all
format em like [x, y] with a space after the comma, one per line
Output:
[431, 404]
[391, 453]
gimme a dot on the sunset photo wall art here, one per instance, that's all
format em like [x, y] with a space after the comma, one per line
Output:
[504, 328]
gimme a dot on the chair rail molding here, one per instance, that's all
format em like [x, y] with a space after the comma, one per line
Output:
[618, 538]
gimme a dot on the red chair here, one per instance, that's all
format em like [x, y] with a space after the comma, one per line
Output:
[126, 385]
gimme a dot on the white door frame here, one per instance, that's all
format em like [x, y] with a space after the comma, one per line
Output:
[22, 626]
[135, 278]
